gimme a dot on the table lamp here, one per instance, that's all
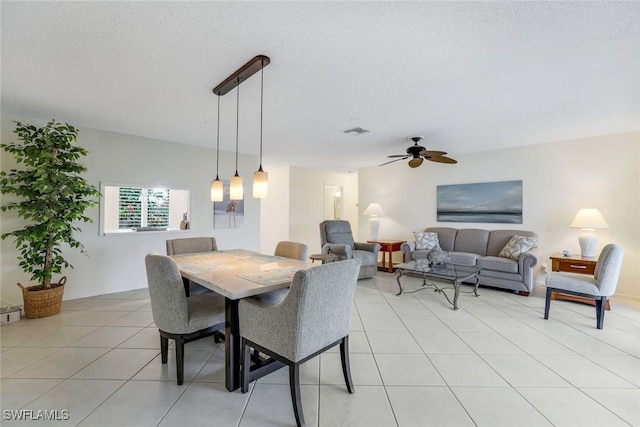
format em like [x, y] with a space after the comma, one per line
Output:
[588, 220]
[374, 210]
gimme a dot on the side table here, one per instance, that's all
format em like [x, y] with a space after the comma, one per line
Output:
[387, 247]
[574, 264]
[324, 258]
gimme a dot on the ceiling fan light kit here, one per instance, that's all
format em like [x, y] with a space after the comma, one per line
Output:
[419, 153]
[260, 177]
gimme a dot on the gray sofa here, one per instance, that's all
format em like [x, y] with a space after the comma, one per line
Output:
[470, 246]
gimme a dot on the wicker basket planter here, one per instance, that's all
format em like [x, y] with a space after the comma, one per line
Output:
[42, 302]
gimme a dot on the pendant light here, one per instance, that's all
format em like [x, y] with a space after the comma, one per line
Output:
[236, 188]
[260, 177]
[217, 189]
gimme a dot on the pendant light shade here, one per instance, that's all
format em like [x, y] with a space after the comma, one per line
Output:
[260, 177]
[217, 190]
[236, 187]
[260, 185]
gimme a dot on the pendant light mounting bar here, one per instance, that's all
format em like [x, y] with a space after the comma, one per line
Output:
[243, 73]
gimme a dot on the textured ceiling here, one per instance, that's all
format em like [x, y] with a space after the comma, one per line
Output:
[470, 76]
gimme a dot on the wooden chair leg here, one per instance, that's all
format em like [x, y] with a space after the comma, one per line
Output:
[180, 359]
[346, 366]
[600, 307]
[547, 303]
[245, 361]
[164, 349]
[294, 386]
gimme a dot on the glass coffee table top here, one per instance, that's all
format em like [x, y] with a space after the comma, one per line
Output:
[455, 274]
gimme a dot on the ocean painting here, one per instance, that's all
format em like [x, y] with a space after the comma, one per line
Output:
[490, 202]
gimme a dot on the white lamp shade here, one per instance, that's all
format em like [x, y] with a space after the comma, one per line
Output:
[260, 184]
[589, 219]
[217, 190]
[374, 209]
[236, 188]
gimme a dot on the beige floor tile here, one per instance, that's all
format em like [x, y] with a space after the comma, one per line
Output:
[570, 406]
[428, 407]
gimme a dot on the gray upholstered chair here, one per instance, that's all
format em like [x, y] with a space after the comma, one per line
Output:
[313, 317]
[599, 287]
[336, 238]
[293, 250]
[190, 245]
[177, 317]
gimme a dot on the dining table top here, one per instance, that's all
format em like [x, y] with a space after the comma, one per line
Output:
[239, 273]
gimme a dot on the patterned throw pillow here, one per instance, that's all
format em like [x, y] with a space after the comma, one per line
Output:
[426, 240]
[517, 246]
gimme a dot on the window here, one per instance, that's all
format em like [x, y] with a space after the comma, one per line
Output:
[130, 208]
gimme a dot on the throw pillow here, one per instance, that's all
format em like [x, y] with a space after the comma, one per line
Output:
[426, 240]
[517, 246]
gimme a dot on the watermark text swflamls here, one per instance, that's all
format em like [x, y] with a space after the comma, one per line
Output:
[35, 414]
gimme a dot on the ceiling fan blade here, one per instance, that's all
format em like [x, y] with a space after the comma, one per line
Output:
[442, 159]
[415, 162]
[399, 155]
[429, 153]
[405, 157]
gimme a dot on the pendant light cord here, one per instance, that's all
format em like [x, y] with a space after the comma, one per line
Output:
[261, 108]
[218, 143]
[237, 122]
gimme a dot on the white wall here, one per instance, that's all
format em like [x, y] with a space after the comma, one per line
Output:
[296, 216]
[558, 180]
[116, 262]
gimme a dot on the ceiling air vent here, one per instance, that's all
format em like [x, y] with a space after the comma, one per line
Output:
[356, 131]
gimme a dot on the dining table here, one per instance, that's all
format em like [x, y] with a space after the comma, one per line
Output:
[237, 274]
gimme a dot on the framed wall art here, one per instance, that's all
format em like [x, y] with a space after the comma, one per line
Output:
[228, 213]
[489, 202]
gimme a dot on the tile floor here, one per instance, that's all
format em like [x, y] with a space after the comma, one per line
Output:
[415, 362]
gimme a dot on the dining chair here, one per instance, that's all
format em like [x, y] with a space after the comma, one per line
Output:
[177, 317]
[190, 245]
[336, 238]
[313, 317]
[598, 288]
[293, 250]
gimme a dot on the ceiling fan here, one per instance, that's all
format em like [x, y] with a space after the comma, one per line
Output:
[418, 153]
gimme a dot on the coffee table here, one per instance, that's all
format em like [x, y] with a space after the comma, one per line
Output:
[452, 273]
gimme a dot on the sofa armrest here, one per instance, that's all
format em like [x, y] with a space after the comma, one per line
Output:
[343, 251]
[407, 248]
[526, 262]
[369, 247]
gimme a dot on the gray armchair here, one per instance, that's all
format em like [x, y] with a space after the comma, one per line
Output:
[313, 317]
[177, 317]
[599, 287]
[336, 238]
[190, 245]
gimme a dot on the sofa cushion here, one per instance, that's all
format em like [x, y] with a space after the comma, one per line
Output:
[426, 240]
[495, 263]
[517, 246]
[472, 240]
[446, 236]
[464, 258]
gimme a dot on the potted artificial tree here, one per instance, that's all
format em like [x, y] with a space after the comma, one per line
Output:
[52, 196]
